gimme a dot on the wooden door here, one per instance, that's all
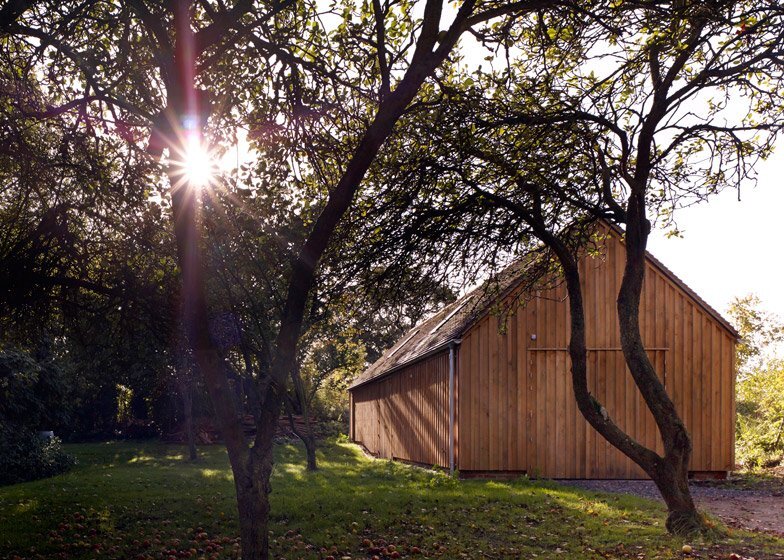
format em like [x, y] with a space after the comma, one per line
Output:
[565, 444]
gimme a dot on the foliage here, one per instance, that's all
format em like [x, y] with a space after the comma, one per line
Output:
[83, 260]
[321, 91]
[760, 385]
[623, 118]
[26, 456]
[33, 393]
[137, 500]
[760, 422]
[33, 396]
[760, 332]
[356, 329]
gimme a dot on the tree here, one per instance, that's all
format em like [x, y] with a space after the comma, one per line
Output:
[147, 66]
[760, 330]
[185, 379]
[760, 384]
[610, 120]
[351, 306]
[83, 258]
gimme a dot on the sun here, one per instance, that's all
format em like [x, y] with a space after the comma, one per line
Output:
[198, 165]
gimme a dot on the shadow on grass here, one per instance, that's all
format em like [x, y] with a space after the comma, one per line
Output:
[132, 492]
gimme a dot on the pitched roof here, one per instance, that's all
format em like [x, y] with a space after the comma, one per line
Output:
[451, 322]
[693, 295]
[447, 325]
[685, 287]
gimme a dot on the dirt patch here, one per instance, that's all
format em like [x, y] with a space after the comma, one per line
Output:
[758, 513]
[749, 503]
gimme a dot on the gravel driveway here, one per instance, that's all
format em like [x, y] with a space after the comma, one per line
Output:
[758, 510]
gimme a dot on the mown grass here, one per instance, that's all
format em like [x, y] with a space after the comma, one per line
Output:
[144, 500]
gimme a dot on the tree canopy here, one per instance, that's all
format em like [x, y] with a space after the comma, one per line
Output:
[381, 161]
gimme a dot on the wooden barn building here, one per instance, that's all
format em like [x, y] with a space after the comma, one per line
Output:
[491, 397]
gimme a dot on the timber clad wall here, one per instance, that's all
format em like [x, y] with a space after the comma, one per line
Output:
[515, 407]
[406, 415]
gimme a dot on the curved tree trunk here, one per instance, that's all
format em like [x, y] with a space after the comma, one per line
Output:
[672, 470]
[669, 473]
[307, 438]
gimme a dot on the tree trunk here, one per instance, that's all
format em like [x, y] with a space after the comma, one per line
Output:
[186, 393]
[253, 487]
[251, 467]
[669, 473]
[672, 479]
[310, 449]
[308, 438]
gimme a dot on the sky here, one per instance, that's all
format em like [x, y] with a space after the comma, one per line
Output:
[728, 248]
[732, 248]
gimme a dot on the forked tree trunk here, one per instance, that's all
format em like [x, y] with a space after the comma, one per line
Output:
[670, 472]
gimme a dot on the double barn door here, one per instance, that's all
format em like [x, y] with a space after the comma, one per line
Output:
[560, 443]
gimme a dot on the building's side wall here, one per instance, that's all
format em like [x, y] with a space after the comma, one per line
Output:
[515, 396]
[405, 415]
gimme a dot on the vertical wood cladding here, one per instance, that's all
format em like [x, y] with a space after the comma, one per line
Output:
[405, 415]
[691, 351]
[515, 407]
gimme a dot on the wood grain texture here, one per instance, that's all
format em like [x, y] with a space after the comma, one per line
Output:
[515, 407]
[690, 350]
[406, 415]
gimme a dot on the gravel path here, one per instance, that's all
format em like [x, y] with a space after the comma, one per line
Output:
[758, 510]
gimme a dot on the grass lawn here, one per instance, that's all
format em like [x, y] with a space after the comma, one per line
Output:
[144, 500]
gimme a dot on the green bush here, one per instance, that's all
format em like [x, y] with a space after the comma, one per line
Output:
[33, 397]
[33, 392]
[761, 417]
[26, 456]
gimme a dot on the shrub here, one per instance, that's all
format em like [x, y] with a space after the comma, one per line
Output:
[761, 416]
[25, 456]
[32, 397]
[33, 392]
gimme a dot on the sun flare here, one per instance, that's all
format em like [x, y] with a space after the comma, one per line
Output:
[198, 164]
